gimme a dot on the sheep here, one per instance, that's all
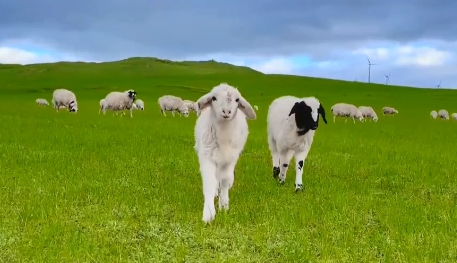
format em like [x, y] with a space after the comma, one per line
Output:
[368, 113]
[443, 114]
[292, 136]
[120, 101]
[192, 106]
[62, 107]
[389, 111]
[221, 132]
[64, 97]
[103, 106]
[454, 116]
[173, 103]
[433, 114]
[139, 104]
[346, 110]
[256, 108]
[42, 102]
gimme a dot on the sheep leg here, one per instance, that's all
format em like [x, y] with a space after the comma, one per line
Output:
[300, 158]
[227, 176]
[210, 188]
[163, 112]
[173, 113]
[334, 118]
[275, 156]
[284, 160]
[131, 115]
[353, 119]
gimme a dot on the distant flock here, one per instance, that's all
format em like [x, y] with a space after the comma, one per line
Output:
[221, 131]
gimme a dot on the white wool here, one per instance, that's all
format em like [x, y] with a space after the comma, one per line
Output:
[191, 105]
[64, 97]
[454, 116]
[42, 102]
[221, 132]
[443, 114]
[139, 104]
[368, 113]
[120, 101]
[346, 110]
[434, 114]
[173, 103]
[283, 134]
[389, 111]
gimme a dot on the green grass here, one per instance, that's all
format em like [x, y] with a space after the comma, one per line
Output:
[91, 188]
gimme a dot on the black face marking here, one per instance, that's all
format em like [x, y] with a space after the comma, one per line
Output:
[303, 119]
[237, 100]
[276, 171]
[214, 98]
[285, 165]
[300, 165]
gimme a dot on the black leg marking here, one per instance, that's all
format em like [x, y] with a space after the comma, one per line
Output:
[298, 187]
[285, 165]
[300, 165]
[275, 172]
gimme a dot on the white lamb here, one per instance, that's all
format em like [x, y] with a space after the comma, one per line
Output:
[120, 101]
[347, 111]
[191, 105]
[292, 136]
[139, 104]
[221, 132]
[173, 103]
[454, 116]
[434, 114]
[443, 114]
[42, 102]
[389, 111]
[368, 113]
[64, 97]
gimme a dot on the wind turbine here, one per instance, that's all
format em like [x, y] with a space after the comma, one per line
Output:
[387, 78]
[439, 85]
[369, 68]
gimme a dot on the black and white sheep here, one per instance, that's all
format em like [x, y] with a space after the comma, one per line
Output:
[66, 98]
[292, 123]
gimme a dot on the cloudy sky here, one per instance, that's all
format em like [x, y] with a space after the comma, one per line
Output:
[414, 41]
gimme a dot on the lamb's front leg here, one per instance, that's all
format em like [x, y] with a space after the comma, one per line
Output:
[300, 158]
[226, 178]
[284, 160]
[210, 187]
[131, 115]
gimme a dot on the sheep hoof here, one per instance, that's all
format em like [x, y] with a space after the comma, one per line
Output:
[298, 187]
[275, 172]
[282, 181]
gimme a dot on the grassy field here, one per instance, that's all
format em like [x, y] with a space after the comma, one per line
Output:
[91, 188]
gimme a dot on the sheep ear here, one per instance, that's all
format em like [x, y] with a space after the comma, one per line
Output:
[204, 101]
[321, 111]
[292, 111]
[246, 108]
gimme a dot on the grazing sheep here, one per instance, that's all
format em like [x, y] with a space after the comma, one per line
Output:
[292, 136]
[66, 98]
[139, 104]
[433, 114]
[256, 108]
[443, 114]
[454, 116]
[221, 132]
[389, 111]
[120, 101]
[42, 102]
[347, 111]
[191, 105]
[173, 103]
[103, 106]
[368, 113]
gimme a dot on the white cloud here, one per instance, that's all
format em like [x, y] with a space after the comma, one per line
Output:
[10, 55]
[275, 66]
[421, 56]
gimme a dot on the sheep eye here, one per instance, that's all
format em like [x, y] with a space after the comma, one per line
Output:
[214, 99]
[237, 100]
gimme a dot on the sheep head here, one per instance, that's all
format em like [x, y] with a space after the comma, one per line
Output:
[224, 101]
[307, 115]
